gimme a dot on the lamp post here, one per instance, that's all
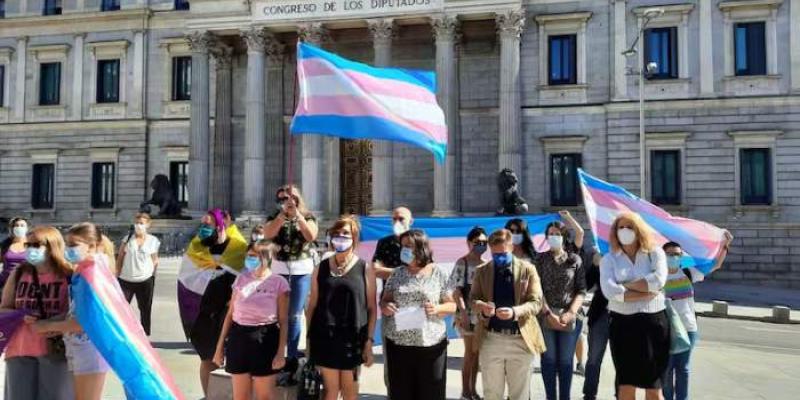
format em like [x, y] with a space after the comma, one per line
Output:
[648, 15]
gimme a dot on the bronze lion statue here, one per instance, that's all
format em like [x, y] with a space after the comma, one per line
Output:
[163, 197]
[511, 203]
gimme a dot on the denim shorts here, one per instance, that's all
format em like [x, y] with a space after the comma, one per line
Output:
[82, 357]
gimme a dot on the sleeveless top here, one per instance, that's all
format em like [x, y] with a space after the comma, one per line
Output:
[341, 300]
[55, 301]
[11, 260]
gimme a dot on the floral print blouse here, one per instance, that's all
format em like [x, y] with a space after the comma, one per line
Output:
[413, 291]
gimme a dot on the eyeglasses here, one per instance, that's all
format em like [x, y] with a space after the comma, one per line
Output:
[480, 243]
[35, 245]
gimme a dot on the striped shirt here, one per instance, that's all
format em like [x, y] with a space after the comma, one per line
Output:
[616, 269]
[679, 288]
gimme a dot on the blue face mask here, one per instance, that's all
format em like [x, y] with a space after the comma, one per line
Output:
[674, 262]
[479, 249]
[205, 232]
[34, 256]
[73, 254]
[406, 256]
[251, 263]
[501, 259]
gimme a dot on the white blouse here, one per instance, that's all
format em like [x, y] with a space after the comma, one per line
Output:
[616, 269]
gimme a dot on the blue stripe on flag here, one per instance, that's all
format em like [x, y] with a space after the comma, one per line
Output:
[597, 184]
[425, 79]
[366, 127]
[374, 228]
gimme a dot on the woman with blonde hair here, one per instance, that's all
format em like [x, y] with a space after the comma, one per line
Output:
[85, 244]
[632, 276]
[294, 229]
[35, 368]
[342, 312]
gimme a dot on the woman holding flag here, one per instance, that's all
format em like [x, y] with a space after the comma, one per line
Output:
[33, 371]
[632, 276]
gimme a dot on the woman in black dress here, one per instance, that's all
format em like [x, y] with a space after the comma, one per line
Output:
[341, 313]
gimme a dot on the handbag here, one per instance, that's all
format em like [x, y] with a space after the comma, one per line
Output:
[56, 349]
[679, 337]
[310, 382]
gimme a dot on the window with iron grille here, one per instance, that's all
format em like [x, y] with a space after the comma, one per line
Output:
[564, 186]
[181, 78]
[755, 176]
[103, 179]
[43, 186]
[179, 179]
[665, 171]
[108, 81]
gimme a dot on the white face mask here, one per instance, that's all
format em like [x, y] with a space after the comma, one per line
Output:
[626, 236]
[140, 228]
[555, 241]
[258, 238]
[399, 228]
[516, 239]
[20, 231]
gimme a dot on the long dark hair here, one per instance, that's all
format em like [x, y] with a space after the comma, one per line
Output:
[527, 243]
[6, 244]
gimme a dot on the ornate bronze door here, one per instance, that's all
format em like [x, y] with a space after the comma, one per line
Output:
[356, 176]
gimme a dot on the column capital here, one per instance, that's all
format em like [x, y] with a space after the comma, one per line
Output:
[223, 55]
[381, 29]
[313, 32]
[275, 51]
[81, 35]
[446, 27]
[201, 41]
[510, 23]
[257, 39]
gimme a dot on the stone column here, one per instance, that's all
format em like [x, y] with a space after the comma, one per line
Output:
[275, 160]
[19, 87]
[255, 121]
[620, 45]
[137, 97]
[382, 32]
[200, 43]
[509, 26]
[221, 176]
[312, 165]
[445, 184]
[794, 44]
[77, 78]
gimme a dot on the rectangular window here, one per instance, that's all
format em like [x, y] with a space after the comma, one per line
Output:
[52, 7]
[750, 48]
[2, 84]
[108, 81]
[103, 176]
[665, 169]
[2, 8]
[43, 186]
[756, 176]
[562, 60]
[564, 186]
[181, 4]
[50, 83]
[181, 78]
[109, 5]
[179, 179]
[661, 48]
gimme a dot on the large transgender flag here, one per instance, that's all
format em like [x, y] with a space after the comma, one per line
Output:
[108, 320]
[343, 98]
[700, 241]
[448, 238]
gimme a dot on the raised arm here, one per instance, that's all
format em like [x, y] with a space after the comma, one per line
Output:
[574, 225]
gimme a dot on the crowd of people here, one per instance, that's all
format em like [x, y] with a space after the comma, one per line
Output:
[513, 307]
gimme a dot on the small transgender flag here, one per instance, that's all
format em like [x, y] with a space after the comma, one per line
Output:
[343, 98]
[701, 242]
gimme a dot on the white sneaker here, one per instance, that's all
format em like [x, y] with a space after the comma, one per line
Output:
[580, 369]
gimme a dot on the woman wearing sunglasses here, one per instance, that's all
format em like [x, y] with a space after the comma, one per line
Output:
[31, 371]
[12, 250]
[462, 277]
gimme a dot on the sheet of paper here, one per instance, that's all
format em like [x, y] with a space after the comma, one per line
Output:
[408, 318]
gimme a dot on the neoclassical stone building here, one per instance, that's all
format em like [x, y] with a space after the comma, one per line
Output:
[97, 97]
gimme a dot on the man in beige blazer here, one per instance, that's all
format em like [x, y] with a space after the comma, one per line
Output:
[508, 294]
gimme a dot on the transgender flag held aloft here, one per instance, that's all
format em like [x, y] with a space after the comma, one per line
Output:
[343, 98]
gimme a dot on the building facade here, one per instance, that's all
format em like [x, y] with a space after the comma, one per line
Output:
[97, 97]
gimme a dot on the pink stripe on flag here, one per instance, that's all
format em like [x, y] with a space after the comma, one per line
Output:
[369, 84]
[351, 106]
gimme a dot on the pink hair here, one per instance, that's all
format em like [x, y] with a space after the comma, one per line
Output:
[219, 220]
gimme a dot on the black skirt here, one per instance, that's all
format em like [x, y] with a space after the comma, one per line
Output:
[251, 349]
[640, 348]
[338, 348]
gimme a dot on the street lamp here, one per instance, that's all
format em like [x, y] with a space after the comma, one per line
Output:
[647, 16]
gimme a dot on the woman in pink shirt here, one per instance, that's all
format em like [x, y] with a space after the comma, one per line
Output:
[40, 285]
[256, 326]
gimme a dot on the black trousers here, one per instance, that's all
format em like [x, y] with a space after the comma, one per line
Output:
[144, 298]
[417, 373]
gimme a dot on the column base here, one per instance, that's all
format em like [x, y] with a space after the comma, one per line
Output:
[444, 213]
